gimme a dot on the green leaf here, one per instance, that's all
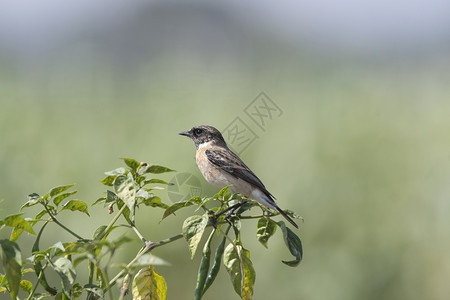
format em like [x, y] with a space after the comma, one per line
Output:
[108, 180]
[61, 197]
[265, 229]
[59, 189]
[110, 196]
[101, 234]
[249, 275]
[293, 243]
[155, 169]
[240, 268]
[38, 265]
[25, 285]
[154, 180]
[193, 228]
[99, 200]
[147, 284]
[232, 264]
[223, 191]
[17, 221]
[125, 189]
[154, 201]
[133, 164]
[65, 270]
[176, 206]
[41, 214]
[126, 211]
[76, 205]
[33, 199]
[12, 264]
[15, 234]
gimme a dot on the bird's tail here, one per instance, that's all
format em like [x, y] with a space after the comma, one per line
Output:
[285, 216]
[266, 199]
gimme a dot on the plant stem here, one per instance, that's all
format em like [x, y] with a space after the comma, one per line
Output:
[113, 221]
[149, 246]
[60, 224]
[36, 285]
[141, 237]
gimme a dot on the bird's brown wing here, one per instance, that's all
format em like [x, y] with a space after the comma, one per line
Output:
[226, 160]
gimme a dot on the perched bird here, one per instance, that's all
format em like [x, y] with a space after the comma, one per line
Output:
[221, 167]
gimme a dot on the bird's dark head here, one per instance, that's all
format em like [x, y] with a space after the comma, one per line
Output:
[203, 135]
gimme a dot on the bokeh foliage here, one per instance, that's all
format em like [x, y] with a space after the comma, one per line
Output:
[361, 152]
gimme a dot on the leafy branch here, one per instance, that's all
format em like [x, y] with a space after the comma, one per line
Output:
[129, 188]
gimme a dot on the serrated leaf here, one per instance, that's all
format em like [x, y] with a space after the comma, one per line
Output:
[17, 221]
[265, 229]
[76, 205]
[193, 228]
[65, 270]
[155, 169]
[61, 197]
[125, 189]
[293, 243]
[59, 189]
[12, 264]
[240, 269]
[147, 284]
[132, 163]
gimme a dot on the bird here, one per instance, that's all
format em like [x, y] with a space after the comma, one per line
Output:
[221, 167]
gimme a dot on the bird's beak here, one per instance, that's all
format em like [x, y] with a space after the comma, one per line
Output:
[185, 133]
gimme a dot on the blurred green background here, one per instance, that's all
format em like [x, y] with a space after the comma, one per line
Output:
[361, 150]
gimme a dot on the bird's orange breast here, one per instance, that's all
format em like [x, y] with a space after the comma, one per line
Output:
[219, 177]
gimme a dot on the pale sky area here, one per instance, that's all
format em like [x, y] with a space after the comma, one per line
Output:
[348, 25]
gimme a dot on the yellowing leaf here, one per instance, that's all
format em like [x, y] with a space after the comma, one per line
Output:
[148, 285]
[240, 268]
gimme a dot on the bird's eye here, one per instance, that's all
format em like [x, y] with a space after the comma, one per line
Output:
[198, 131]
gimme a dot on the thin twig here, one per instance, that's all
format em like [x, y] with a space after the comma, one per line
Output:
[60, 224]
